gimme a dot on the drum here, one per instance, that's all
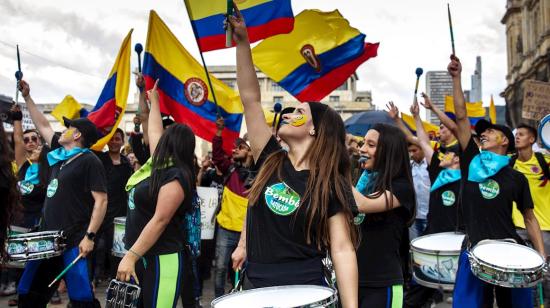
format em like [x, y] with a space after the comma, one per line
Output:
[283, 296]
[118, 249]
[122, 295]
[435, 259]
[15, 230]
[544, 131]
[35, 245]
[506, 264]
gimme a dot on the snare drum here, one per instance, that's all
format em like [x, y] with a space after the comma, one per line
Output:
[118, 249]
[15, 230]
[506, 264]
[435, 259]
[303, 296]
[35, 245]
[122, 295]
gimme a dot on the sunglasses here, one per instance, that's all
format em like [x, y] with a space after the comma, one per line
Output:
[27, 139]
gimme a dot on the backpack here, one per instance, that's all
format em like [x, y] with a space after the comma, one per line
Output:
[193, 227]
[540, 160]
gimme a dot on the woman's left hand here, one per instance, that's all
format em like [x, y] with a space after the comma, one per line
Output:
[127, 269]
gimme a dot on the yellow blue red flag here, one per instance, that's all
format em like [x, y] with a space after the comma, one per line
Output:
[264, 18]
[411, 125]
[68, 108]
[475, 111]
[493, 111]
[318, 56]
[111, 105]
[183, 86]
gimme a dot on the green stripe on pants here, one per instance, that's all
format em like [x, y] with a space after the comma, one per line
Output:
[397, 296]
[169, 268]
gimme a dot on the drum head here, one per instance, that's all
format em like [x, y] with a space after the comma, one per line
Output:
[446, 241]
[544, 131]
[283, 296]
[508, 255]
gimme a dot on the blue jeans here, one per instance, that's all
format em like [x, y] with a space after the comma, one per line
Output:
[417, 228]
[226, 242]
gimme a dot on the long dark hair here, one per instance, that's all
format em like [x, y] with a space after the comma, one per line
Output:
[44, 173]
[330, 177]
[176, 147]
[7, 173]
[391, 162]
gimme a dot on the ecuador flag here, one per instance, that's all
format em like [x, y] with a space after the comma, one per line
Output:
[318, 56]
[264, 18]
[183, 86]
[111, 104]
[475, 111]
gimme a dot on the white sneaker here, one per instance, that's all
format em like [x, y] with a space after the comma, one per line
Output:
[10, 289]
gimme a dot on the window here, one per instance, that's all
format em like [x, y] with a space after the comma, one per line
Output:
[275, 87]
[343, 87]
[334, 99]
[278, 99]
[229, 82]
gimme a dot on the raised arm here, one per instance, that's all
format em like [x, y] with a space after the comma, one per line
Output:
[143, 108]
[154, 129]
[393, 112]
[463, 124]
[19, 145]
[445, 120]
[258, 130]
[423, 139]
[39, 120]
[379, 204]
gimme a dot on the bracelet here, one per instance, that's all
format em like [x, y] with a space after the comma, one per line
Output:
[135, 253]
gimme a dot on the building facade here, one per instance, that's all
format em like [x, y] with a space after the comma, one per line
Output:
[528, 47]
[438, 85]
[476, 93]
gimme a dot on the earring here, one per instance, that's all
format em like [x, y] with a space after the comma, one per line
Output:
[312, 132]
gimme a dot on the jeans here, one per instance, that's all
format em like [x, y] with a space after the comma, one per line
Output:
[417, 228]
[226, 242]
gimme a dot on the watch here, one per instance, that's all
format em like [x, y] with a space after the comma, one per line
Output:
[90, 235]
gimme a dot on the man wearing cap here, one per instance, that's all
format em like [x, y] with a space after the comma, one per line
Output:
[490, 187]
[234, 202]
[76, 201]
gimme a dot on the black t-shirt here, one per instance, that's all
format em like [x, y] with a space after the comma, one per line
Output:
[487, 206]
[32, 195]
[378, 256]
[276, 224]
[443, 212]
[69, 202]
[141, 209]
[117, 176]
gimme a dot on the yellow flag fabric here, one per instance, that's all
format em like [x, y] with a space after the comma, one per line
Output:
[68, 108]
[493, 111]
[120, 74]
[473, 110]
[411, 123]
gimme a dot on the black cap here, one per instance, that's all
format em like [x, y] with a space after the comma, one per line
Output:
[86, 127]
[483, 125]
[240, 141]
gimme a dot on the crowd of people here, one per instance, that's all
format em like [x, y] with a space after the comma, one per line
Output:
[289, 196]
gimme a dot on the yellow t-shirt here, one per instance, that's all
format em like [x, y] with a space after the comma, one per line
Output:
[540, 192]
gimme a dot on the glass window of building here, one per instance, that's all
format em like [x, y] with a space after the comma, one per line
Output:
[334, 98]
[278, 99]
[275, 87]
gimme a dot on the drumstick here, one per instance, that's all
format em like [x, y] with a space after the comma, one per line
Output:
[65, 270]
[541, 297]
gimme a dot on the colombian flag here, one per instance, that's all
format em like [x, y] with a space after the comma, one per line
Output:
[475, 111]
[183, 86]
[318, 56]
[111, 104]
[264, 18]
[429, 128]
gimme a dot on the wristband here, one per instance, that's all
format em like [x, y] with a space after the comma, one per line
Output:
[17, 115]
[139, 257]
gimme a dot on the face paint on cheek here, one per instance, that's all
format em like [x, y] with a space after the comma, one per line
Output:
[498, 139]
[299, 121]
[69, 133]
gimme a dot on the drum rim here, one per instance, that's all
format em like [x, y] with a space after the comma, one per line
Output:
[505, 283]
[504, 269]
[444, 286]
[329, 300]
[33, 235]
[436, 252]
[543, 122]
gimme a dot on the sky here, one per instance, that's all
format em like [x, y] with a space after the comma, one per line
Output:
[69, 47]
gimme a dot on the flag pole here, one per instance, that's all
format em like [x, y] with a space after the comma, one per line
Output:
[218, 112]
[18, 76]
